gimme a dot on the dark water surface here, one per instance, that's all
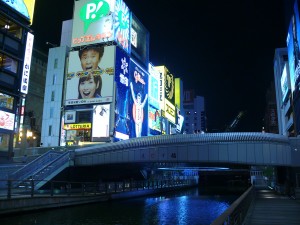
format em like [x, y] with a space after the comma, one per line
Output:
[189, 207]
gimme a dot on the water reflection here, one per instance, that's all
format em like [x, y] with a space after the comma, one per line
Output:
[182, 208]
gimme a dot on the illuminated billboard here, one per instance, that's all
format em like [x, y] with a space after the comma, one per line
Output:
[293, 48]
[122, 119]
[90, 76]
[138, 100]
[154, 121]
[27, 63]
[170, 87]
[99, 21]
[161, 86]
[25, 7]
[284, 83]
[101, 115]
[153, 86]
[170, 112]
[7, 120]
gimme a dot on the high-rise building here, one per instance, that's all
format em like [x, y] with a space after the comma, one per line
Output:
[15, 60]
[195, 115]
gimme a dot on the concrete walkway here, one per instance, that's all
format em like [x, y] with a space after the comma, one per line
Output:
[271, 208]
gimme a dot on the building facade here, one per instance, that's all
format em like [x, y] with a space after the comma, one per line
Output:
[16, 43]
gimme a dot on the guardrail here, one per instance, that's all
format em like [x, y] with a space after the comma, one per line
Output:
[236, 213]
[63, 188]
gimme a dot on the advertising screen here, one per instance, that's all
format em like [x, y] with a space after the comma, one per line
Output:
[122, 23]
[170, 87]
[7, 120]
[170, 112]
[100, 127]
[154, 120]
[284, 83]
[161, 86]
[122, 119]
[138, 100]
[25, 7]
[101, 21]
[153, 87]
[90, 76]
[27, 63]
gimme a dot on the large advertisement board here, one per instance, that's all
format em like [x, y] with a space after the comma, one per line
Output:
[153, 86]
[161, 87]
[122, 119]
[170, 87]
[154, 120]
[99, 21]
[90, 76]
[284, 83]
[25, 7]
[138, 100]
[7, 120]
[100, 127]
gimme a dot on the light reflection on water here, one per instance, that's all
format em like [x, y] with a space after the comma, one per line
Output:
[182, 208]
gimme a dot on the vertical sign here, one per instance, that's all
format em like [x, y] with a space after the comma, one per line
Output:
[27, 62]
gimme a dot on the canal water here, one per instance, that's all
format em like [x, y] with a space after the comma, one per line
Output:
[189, 207]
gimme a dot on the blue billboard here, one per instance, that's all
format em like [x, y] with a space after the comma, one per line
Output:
[138, 100]
[122, 88]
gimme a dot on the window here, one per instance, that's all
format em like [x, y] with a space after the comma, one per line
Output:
[51, 112]
[55, 63]
[6, 101]
[52, 96]
[50, 130]
[10, 27]
[54, 79]
[8, 63]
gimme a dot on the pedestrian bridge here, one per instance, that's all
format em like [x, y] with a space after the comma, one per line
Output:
[209, 148]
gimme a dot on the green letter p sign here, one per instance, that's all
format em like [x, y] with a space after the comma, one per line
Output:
[93, 11]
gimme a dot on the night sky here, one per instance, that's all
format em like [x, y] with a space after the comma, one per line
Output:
[224, 50]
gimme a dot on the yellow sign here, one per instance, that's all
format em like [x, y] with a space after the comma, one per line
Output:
[78, 126]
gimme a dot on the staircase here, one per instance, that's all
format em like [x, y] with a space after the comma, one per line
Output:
[42, 169]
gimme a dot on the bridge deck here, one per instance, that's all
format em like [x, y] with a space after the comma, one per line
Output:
[271, 208]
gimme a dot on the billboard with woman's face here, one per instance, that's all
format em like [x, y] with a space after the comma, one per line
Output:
[90, 76]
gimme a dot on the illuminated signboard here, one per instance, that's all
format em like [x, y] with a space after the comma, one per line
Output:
[170, 87]
[153, 86]
[284, 83]
[101, 21]
[122, 95]
[25, 7]
[101, 117]
[122, 25]
[78, 126]
[7, 120]
[26, 65]
[154, 120]
[293, 48]
[90, 80]
[138, 100]
[161, 87]
[170, 112]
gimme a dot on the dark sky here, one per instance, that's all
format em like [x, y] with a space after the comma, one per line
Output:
[224, 50]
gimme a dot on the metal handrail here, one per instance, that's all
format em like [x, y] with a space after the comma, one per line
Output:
[29, 169]
[51, 167]
[236, 213]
